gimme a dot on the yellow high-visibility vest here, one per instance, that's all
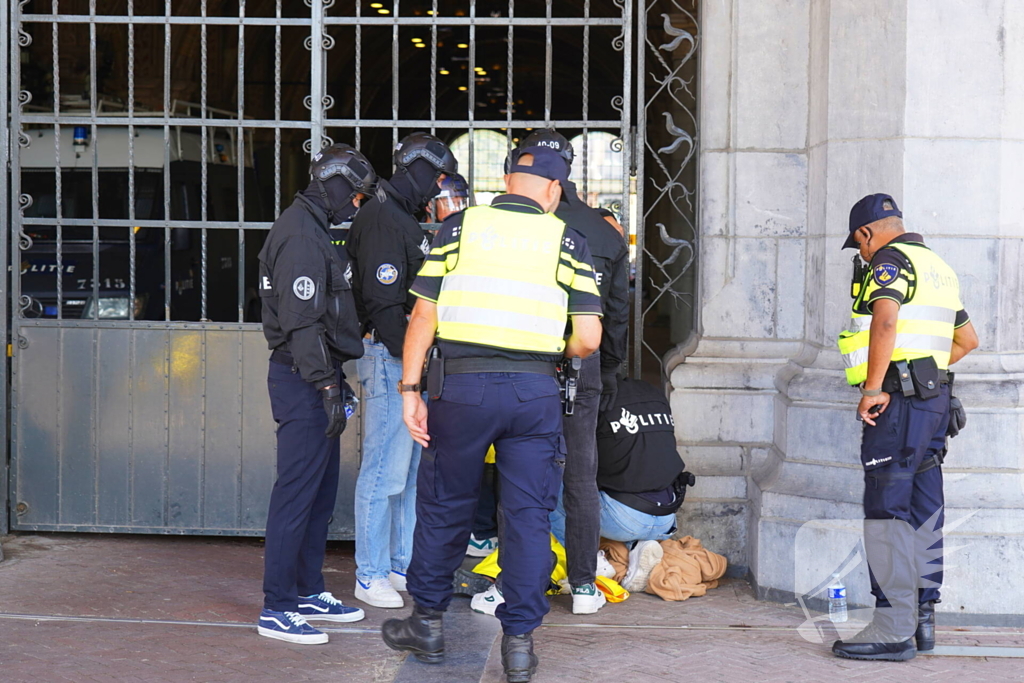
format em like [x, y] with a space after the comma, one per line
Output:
[926, 319]
[505, 288]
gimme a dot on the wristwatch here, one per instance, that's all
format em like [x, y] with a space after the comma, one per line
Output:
[870, 393]
[417, 388]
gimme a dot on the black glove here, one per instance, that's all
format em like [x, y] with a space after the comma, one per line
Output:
[334, 406]
[957, 417]
[609, 390]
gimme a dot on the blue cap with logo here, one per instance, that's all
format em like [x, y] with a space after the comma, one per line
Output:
[547, 163]
[872, 208]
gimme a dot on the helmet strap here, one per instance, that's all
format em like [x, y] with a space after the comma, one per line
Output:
[327, 201]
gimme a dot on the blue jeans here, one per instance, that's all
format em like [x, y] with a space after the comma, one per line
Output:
[620, 522]
[385, 498]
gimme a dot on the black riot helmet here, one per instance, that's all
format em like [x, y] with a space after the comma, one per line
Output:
[351, 167]
[548, 137]
[430, 149]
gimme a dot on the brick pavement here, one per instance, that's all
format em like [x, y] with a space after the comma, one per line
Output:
[217, 581]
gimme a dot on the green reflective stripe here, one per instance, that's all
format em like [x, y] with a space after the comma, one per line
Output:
[924, 342]
[524, 322]
[555, 296]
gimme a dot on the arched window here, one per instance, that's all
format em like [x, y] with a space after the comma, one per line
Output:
[604, 160]
[486, 177]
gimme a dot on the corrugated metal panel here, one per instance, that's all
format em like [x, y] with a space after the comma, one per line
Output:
[156, 430]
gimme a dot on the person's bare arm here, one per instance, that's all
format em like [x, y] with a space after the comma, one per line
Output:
[965, 340]
[419, 337]
[586, 336]
[884, 315]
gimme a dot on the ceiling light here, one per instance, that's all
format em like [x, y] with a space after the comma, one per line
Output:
[383, 11]
[430, 12]
[417, 40]
[443, 72]
[462, 87]
[463, 45]
[419, 45]
[376, 5]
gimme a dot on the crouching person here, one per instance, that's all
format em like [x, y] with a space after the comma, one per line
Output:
[639, 475]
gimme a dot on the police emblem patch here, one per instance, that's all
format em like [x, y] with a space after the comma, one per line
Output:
[387, 274]
[304, 288]
[885, 274]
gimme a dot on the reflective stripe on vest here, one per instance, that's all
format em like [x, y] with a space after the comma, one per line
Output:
[504, 290]
[925, 324]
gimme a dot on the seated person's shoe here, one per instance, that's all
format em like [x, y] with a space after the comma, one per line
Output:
[643, 558]
[469, 583]
[379, 593]
[587, 599]
[481, 547]
[604, 567]
[326, 607]
[290, 627]
[421, 634]
[875, 643]
[517, 657]
[925, 635]
[488, 601]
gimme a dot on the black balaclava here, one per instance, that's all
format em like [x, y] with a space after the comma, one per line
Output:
[417, 183]
[339, 195]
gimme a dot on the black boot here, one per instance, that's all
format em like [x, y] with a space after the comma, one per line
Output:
[517, 657]
[875, 643]
[420, 634]
[925, 635]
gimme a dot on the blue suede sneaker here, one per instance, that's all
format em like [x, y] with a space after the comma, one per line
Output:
[326, 607]
[290, 627]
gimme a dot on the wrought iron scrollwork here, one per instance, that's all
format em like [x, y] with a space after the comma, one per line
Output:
[669, 214]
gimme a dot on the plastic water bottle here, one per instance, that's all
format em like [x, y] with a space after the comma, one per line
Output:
[350, 406]
[837, 600]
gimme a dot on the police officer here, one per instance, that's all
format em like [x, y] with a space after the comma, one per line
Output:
[908, 327]
[453, 197]
[597, 382]
[497, 290]
[309, 320]
[388, 246]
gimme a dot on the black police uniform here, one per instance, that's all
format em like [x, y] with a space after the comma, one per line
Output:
[597, 377]
[388, 247]
[309, 320]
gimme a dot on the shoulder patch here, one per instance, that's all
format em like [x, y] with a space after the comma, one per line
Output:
[387, 274]
[885, 274]
[304, 288]
[425, 246]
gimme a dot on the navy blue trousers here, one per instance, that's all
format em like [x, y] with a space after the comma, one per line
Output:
[521, 414]
[302, 501]
[905, 558]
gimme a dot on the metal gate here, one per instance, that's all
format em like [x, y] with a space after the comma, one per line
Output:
[151, 144]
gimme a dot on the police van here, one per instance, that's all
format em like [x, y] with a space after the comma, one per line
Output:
[39, 263]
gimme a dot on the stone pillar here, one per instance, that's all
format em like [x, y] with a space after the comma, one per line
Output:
[808, 105]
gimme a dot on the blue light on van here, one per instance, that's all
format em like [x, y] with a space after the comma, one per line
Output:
[81, 135]
[50, 310]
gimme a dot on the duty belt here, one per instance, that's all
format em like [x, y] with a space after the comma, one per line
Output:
[282, 356]
[469, 366]
[892, 383]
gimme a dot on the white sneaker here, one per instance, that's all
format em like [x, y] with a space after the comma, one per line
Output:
[379, 593]
[488, 601]
[604, 567]
[644, 556]
[587, 599]
[397, 580]
[481, 547]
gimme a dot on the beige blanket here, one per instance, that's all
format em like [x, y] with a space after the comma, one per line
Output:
[687, 569]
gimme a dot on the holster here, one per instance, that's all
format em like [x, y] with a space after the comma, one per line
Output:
[435, 373]
[924, 372]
